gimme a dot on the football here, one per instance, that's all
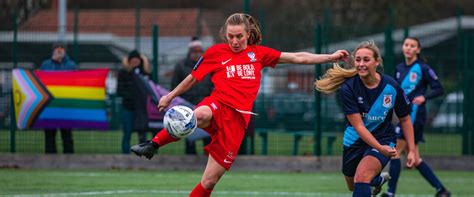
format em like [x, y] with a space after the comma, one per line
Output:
[180, 121]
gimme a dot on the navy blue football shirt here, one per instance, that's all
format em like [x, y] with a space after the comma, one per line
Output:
[414, 80]
[376, 107]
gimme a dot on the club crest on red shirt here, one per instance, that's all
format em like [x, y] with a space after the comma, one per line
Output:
[251, 56]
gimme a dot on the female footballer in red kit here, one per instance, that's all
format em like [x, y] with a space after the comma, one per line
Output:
[235, 69]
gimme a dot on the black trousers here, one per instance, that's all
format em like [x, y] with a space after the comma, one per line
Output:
[50, 141]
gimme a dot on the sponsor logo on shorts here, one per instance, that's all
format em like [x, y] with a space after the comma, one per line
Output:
[231, 157]
[214, 106]
[360, 100]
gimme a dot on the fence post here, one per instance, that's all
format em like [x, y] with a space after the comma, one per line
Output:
[406, 32]
[327, 30]
[75, 46]
[263, 114]
[155, 33]
[388, 45]
[199, 23]
[462, 59]
[137, 25]
[12, 104]
[317, 95]
[246, 6]
[459, 61]
[467, 146]
[470, 96]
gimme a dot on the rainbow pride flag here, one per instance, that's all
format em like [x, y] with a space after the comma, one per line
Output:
[60, 99]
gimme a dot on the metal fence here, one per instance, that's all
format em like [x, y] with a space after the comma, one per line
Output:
[293, 119]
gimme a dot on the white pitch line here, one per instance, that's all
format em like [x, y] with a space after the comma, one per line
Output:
[176, 192]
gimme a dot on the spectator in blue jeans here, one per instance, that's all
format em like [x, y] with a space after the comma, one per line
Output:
[58, 61]
[134, 114]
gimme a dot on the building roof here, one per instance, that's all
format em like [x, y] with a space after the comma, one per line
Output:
[121, 22]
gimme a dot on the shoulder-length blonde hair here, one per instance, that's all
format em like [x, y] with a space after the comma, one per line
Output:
[333, 78]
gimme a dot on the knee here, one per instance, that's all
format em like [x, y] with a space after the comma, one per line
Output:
[203, 118]
[363, 177]
[209, 183]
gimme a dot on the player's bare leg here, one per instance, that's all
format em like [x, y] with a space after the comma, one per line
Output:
[349, 182]
[148, 149]
[213, 172]
[368, 168]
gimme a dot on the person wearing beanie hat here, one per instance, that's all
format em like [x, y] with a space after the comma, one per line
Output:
[195, 94]
[134, 114]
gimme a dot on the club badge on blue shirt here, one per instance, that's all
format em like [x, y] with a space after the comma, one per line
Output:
[413, 76]
[387, 100]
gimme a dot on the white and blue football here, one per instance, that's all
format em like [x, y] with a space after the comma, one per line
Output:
[180, 121]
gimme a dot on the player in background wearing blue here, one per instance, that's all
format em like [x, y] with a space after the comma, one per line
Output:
[414, 76]
[369, 99]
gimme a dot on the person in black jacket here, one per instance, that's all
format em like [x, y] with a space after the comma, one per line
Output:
[195, 94]
[134, 114]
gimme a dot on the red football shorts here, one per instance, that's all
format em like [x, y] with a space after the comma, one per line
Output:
[227, 131]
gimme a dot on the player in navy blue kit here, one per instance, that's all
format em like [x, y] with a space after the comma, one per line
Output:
[414, 76]
[369, 99]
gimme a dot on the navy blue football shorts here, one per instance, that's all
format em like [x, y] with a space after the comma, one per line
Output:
[352, 156]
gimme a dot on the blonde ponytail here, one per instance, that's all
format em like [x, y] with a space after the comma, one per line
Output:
[333, 78]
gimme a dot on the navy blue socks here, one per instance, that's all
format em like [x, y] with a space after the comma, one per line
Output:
[428, 174]
[394, 171]
[361, 190]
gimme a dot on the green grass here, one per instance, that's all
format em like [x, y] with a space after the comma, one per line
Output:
[179, 183]
[109, 142]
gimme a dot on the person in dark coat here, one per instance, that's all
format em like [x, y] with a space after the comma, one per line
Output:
[134, 113]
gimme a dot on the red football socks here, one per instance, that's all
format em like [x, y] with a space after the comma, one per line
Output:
[163, 137]
[200, 191]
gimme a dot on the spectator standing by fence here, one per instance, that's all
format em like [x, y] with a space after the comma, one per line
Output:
[134, 114]
[59, 61]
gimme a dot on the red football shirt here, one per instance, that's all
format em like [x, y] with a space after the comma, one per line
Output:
[236, 76]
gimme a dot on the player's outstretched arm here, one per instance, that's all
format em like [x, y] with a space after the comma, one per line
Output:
[182, 87]
[310, 58]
